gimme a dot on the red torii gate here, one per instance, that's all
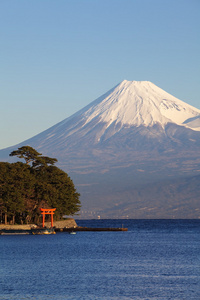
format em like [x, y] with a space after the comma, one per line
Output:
[47, 211]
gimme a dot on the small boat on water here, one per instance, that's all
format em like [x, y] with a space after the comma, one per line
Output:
[43, 231]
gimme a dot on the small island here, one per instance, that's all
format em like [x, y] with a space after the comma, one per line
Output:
[26, 187]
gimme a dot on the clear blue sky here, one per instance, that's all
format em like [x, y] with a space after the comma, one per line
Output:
[56, 56]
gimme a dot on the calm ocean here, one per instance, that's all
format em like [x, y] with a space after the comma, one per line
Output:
[155, 259]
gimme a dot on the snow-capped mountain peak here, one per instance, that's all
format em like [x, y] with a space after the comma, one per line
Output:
[139, 103]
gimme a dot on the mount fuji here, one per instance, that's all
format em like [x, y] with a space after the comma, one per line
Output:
[133, 152]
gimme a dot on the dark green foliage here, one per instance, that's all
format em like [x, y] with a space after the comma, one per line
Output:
[32, 156]
[24, 188]
[15, 187]
[58, 190]
[26, 152]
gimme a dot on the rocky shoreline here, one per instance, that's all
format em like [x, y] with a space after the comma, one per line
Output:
[69, 223]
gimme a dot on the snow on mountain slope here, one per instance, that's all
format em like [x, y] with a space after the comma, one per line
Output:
[138, 103]
[193, 123]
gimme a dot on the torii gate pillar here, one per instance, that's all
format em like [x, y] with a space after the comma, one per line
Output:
[47, 211]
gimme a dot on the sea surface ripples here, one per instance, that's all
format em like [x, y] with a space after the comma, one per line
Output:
[154, 259]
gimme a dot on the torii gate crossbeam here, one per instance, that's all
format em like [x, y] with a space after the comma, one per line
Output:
[48, 211]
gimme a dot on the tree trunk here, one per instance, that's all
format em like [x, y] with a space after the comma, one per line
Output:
[6, 219]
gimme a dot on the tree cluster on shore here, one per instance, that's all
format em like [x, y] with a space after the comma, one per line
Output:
[37, 183]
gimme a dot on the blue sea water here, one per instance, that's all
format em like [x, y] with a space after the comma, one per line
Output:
[154, 259]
